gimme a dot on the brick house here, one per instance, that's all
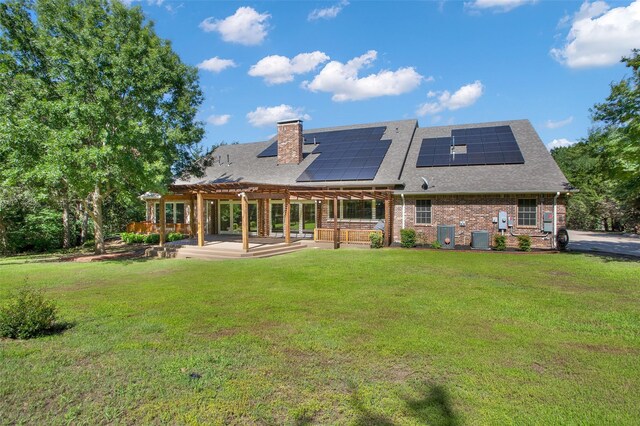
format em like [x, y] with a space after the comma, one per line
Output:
[495, 177]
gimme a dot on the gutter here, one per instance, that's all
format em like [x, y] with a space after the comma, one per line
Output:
[539, 191]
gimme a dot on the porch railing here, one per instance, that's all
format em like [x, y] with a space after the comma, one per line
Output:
[150, 227]
[353, 236]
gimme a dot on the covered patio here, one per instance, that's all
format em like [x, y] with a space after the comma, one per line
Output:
[260, 196]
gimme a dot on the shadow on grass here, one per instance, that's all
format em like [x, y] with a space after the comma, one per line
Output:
[59, 327]
[605, 256]
[433, 407]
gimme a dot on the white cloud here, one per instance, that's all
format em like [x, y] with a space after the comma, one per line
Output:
[600, 36]
[216, 64]
[218, 120]
[463, 97]
[558, 143]
[328, 12]
[246, 26]
[550, 124]
[342, 80]
[276, 69]
[497, 5]
[269, 116]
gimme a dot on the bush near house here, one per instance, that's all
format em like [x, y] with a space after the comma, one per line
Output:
[174, 236]
[524, 242]
[376, 240]
[408, 238]
[500, 242]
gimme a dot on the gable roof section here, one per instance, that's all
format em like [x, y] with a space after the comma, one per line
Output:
[241, 162]
[539, 173]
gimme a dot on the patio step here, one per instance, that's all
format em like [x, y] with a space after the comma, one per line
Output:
[212, 252]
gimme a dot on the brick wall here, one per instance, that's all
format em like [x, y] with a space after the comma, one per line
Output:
[290, 142]
[478, 212]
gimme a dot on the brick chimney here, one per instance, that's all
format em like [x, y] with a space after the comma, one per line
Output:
[290, 142]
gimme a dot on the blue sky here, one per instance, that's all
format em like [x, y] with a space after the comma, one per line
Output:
[442, 62]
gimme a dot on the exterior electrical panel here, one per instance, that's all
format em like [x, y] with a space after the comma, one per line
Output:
[502, 221]
[547, 222]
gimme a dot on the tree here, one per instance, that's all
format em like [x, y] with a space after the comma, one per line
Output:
[95, 102]
[619, 117]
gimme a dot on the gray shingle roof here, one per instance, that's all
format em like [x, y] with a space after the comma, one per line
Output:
[245, 166]
[539, 173]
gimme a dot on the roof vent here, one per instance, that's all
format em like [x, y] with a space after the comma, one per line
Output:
[425, 184]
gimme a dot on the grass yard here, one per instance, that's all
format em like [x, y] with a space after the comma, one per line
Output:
[331, 337]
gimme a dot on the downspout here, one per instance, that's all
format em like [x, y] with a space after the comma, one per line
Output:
[402, 196]
[555, 219]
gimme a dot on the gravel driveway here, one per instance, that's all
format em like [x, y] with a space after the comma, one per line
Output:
[604, 242]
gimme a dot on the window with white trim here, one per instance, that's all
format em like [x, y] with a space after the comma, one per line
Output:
[358, 209]
[174, 213]
[527, 212]
[423, 212]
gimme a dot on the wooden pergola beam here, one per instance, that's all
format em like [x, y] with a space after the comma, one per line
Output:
[200, 202]
[163, 220]
[245, 223]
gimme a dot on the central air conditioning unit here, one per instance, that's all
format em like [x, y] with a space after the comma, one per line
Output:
[480, 240]
[447, 236]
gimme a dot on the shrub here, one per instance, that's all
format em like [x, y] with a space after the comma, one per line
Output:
[524, 242]
[174, 236]
[132, 237]
[89, 244]
[27, 315]
[436, 245]
[500, 242]
[376, 240]
[152, 239]
[407, 238]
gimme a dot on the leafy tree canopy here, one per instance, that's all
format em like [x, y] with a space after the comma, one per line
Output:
[93, 101]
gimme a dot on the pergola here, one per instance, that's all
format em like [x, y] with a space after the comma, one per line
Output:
[198, 193]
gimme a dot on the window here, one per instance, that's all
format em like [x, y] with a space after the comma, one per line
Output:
[423, 212]
[527, 209]
[174, 213]
[358, 210]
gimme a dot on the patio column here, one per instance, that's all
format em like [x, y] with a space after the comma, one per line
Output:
[192, 217]
[200, 202]
[245, 223]
[163, 220]
[287, 219]
[388, 219]
[336, 230]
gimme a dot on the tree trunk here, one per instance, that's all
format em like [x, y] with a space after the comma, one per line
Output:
[66, 227]
[97, 221]
[605, 222]
[85, 224]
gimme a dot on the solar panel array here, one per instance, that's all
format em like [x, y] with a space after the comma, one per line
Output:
[341, 136]
[485, 145]
[354, 154]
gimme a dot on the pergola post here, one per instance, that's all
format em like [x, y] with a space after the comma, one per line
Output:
[192, 217]
[336, 230]
[388, 219]
[287, 219]
[200, 202]
[163, 220]
[245, 223]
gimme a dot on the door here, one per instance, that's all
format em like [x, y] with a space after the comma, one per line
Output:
[308, 218]
[230, 217]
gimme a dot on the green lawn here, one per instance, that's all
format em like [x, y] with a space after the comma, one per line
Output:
[331, 337]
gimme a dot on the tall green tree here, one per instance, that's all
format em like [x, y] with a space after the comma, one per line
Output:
[95, 102]
[619, 116]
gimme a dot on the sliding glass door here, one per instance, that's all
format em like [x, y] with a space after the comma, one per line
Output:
[230, 217]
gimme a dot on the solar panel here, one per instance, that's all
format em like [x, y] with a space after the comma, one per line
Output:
[484, 145]
[346, 160]
[271, 151]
